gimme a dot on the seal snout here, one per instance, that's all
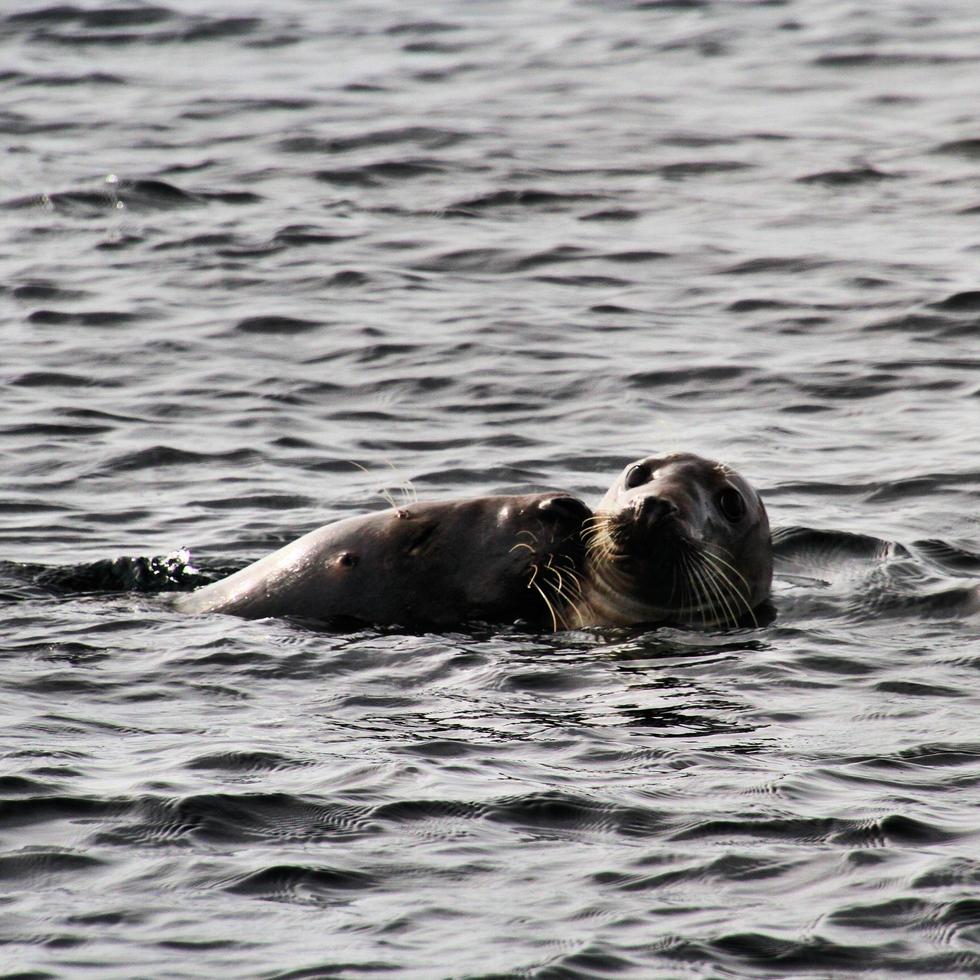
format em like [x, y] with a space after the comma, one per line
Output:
[651, 512]
[562, 507]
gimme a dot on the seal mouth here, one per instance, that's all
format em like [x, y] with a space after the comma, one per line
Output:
[650, 531]
[649, 567]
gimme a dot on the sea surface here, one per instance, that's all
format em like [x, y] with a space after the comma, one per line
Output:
[264, 265]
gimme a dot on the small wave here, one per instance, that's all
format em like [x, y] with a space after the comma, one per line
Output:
[98, 17]
[155, 456]
[27, 867]
[886, 59]
[422, 27]
[557, 811]
[237, 763]
[967, 302]
[138, 195]
[232, 817]
[72, 26]
[755, 305]
[891, 914]
[685, 377]
[304, 883]
[18, 124]
[270, 324]
[66, 81]
[635, 256]
[583, 282]
[347, 278]
[33, 811]
[895, 829]
[223, 108]
[925, 324]
[964, 148]
[498, 261]
[611, 214]
[207, 241]
[778, 263]
[429, 137]
[298, 235]
[376, 174]
[686, 169]
[437, 47]
[53, 379]
[760, 951]
[39, 290]
[522, 198]
[846, 178]
[954, 872]
[94, 318]
[950, 558]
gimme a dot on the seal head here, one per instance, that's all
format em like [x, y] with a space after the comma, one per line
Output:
[677, 539]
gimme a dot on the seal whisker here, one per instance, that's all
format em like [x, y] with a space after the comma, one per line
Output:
[573, 573]
[561, 582]
[569, 591]
[713, 609]
[694, 599]
[692, 593]
[599, 545]
[712, 575]
[711, 590]
[556, 580]
[743, 595]
[683, 580]
[697, 585]
[408, 491]
[704, 605]
[383, 491]
[689, 600]
[730, 566]
[547, 602]
[734, 591]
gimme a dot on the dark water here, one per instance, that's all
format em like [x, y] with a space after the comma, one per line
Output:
[485, 247]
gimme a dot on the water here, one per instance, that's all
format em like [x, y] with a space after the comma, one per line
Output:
[246, 251]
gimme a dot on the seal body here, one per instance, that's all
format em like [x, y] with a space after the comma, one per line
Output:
[676, 539]
[495, 559]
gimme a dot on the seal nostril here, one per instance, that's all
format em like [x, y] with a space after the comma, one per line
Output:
[654, 510]
[564, 506]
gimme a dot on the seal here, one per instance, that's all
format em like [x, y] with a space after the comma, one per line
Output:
[677, 539]
[493, 559]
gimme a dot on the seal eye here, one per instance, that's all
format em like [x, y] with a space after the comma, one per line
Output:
[636, 476]
[731, 504]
